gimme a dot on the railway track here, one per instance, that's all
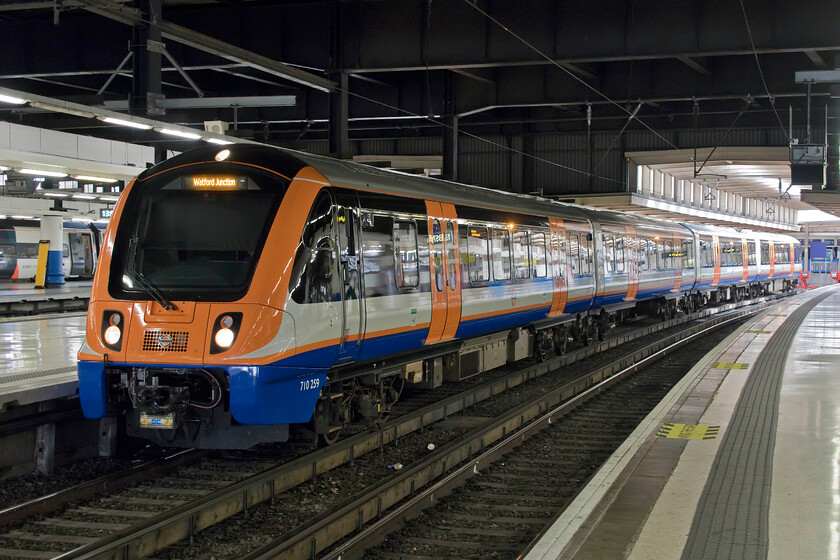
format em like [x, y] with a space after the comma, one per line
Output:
[136, 526]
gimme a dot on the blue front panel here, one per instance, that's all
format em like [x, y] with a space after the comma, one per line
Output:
[55, 276]
[274, 395]
[92, 389]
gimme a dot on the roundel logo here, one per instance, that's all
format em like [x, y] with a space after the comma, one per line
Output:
[165, 340]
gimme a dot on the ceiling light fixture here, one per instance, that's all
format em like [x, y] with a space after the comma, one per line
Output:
[12, 100]
[132, 124]
[84, 197]
[182, 134]
[95, 179]
[109, 198]
[22, 217]
[44, 173]
[56, 194]
[60, 109]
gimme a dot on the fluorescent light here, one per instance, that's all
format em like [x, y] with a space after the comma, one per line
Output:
[45, 173]
[132, 124]
[55, 194]
[182, 134]
[218, 141]
[22, 217]
[84, 197]
[109, 198]
[95, 179]
[2, 168]
[60, 109]
[13, 100]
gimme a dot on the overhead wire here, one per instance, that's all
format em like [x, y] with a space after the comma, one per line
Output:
[431, 119]
[572, 74]
[760, 72]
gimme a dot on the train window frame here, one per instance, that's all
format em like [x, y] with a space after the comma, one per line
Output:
[539, 267]
[574, 253]
[451, 249]
[609, 253]
[436, 256]
[497, 258]
[399, 268]
[472, 243]
[751, 252]
[688, 258]
[586, 255]
[620, 258]
[521, 239]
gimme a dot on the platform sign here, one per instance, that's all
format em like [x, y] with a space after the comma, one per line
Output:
[818, 249]
[105, 212]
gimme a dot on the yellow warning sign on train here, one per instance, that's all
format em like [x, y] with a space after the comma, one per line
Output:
[688, 431]
[729, 365]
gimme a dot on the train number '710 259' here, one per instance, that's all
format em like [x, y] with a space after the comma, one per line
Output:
[310, 384]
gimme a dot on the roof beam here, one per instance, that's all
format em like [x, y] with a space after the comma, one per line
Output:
[694, 65]
[816, 59]
[202, 42]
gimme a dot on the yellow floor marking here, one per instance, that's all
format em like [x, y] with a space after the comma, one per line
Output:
[759, 332]
[688, 431]
[776, 315]
[729, 365]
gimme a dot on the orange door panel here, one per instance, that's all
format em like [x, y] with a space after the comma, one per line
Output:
[557, 255]
[437, 271]
[452, 261]
[745, 260]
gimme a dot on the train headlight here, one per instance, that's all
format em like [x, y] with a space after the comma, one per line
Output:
[224, 338]
[112, 329]
[112, 335]
[225, 331]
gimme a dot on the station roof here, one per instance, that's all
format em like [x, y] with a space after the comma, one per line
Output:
[687, 74]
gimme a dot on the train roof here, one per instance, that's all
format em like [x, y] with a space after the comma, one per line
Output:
[356, 175]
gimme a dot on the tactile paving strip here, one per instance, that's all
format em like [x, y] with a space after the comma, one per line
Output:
[6, 379]
[732, 517]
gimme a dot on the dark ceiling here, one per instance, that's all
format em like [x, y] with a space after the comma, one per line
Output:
[407, 67]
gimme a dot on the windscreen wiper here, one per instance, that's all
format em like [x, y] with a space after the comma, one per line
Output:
[150, 289]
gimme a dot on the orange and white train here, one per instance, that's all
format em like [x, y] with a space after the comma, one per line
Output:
[245, 291]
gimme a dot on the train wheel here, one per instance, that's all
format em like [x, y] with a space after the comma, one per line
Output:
[561, 340]
[331, 436]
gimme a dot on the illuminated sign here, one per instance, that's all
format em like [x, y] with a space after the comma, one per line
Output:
[105, 212]
[213, 182]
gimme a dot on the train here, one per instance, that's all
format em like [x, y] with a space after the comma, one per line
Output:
[19, 241]
[252, 293]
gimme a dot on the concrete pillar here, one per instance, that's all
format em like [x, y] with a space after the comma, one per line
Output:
[52, 231]
[340, 118]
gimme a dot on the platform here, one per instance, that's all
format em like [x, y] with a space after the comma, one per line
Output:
[39, 357]
[21, 298]
[764, 484]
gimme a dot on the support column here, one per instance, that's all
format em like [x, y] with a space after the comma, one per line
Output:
[52, 231]
[146, 78]
[450, 131]
[340, 118]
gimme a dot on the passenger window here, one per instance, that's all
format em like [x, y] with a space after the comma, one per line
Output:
[619, 254]
[538, 255]
[500, 243]
[609, 254]
[312, 272]
[405, 247]
[574, 252]
[688, 254]
[521, 258]
[437, 254]
[585, 254]
[558, 256]
[478, 263]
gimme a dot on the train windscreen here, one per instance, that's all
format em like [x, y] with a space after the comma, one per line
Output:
[194, 235]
